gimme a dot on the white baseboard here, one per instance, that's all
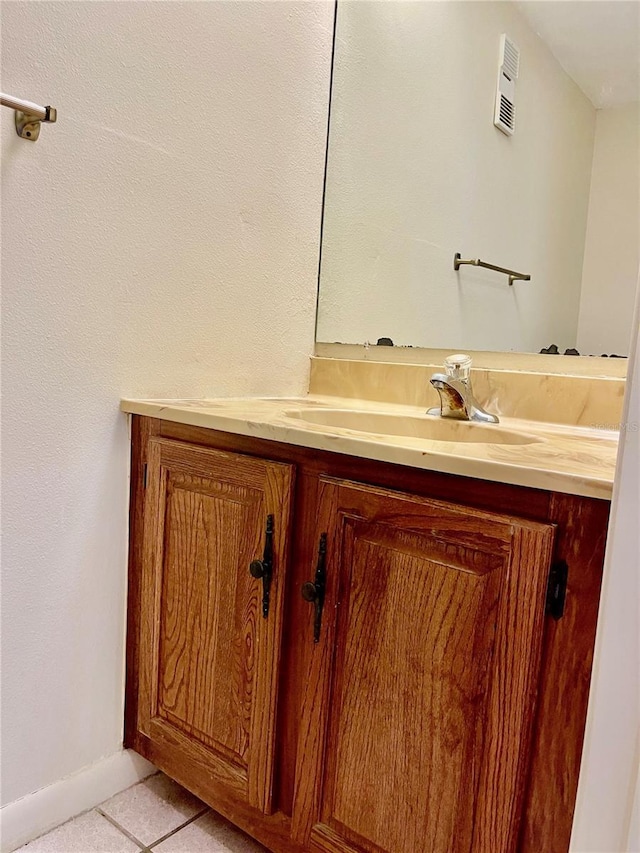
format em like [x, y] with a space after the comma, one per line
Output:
[41, 811]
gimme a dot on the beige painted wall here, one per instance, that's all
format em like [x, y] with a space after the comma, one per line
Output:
[417, 172]
[612, 248]
[160, 239]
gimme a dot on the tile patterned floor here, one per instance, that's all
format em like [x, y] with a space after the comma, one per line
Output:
[154, 815]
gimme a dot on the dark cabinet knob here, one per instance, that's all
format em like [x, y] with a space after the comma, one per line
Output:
[263, 569]
[309, 591]
[314, 592]
[256, 567]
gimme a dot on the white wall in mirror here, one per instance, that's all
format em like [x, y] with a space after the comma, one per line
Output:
[417, 171]
[612, 244]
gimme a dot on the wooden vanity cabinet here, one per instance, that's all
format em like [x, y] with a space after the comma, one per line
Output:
[429, 705]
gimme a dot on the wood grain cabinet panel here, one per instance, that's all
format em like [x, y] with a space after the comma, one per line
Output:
[208, 656]
[417, 716]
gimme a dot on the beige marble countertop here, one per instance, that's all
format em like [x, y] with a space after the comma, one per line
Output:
[576, 460]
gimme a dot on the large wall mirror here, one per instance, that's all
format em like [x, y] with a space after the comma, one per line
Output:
[418, 171]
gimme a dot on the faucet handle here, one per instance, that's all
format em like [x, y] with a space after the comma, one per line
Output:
[458, 366]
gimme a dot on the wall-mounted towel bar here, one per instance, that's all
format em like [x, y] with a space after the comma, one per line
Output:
[513, 276]
[29, 116]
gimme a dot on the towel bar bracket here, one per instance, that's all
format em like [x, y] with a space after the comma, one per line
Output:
[28, 125]
[28, 116]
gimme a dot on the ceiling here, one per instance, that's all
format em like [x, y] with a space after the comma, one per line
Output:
[597, 42]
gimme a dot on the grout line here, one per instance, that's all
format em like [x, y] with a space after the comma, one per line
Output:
[177, 829]
[124, 831]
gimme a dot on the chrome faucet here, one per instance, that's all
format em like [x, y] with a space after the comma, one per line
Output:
[456, 396]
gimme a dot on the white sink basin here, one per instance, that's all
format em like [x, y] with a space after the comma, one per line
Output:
[426, 427]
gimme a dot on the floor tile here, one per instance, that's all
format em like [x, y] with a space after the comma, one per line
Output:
[209, 834]
[152, 808]
[89, 833]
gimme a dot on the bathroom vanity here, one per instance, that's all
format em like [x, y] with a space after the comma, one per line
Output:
[353, 627]
[348, 641]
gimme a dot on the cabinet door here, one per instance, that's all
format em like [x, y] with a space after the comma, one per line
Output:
[417, 715]
[208, 655]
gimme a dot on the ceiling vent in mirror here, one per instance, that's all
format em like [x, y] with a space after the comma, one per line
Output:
[505, 112]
